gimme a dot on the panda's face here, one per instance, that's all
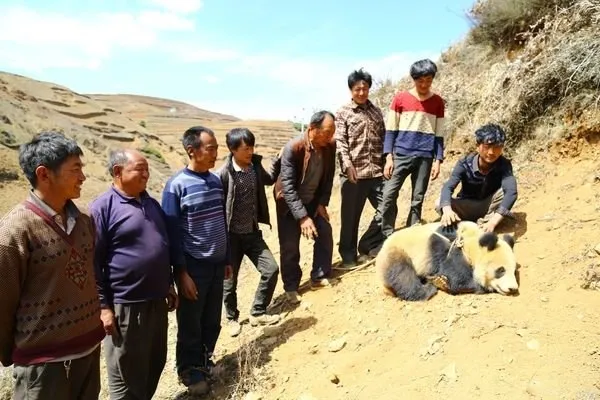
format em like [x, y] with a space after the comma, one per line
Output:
[496, 265]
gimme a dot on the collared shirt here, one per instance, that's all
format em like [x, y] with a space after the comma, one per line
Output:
[71, 210]
[359, 134]
[243, 218]
[132, 260]
[478, 186]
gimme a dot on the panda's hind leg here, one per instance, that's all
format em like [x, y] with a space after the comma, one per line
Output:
[401, 278]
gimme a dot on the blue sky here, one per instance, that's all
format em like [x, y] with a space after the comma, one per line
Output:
[263, 59]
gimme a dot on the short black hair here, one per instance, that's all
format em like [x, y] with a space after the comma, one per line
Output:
[490, 134]
[357, 76]
[423, 68]
[237, 136]
[49, 149]
[316, 121]
[191, 137]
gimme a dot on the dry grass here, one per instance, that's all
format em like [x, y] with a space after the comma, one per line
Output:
[539, 92]
[248, 371]
[504, 22]
[6, 383]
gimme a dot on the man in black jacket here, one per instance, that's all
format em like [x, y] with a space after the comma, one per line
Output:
[244, 180]
[302, 193]
[488, 186]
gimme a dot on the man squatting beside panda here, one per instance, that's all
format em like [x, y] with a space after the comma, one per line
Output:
[488, 186]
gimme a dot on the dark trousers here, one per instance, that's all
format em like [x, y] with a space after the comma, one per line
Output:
[253, 246]
[289, 246]
[136, 357]
[419, 169]
[199, 321]
[354, 196]
[50, 381]
[474, 209]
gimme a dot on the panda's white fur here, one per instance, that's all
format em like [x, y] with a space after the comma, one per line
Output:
[467, 259]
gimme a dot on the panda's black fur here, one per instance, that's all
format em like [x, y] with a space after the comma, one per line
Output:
[440, 257]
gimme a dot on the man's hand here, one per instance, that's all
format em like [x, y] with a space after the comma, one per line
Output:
[187, 287]
[107, 316]
[449, 217]
[228, 272]
[172, 299]
[388, 168]
[322, 211]
[435, 169]
[491, 225]
[308, 228]
[351, 174]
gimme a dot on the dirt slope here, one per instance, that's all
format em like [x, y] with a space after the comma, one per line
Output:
[540, 344]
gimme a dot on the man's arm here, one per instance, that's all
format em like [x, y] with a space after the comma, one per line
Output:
[171, 205]
[438, 145]
[392, 124]
[288, 174]
[341, 139]
[509, 187]
[100, 253]
[451, 184]
[267, 177]
[13, 267]
[327, 185]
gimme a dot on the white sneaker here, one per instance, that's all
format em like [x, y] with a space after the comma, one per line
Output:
[293, 297]
[234, 327]
[264, 319]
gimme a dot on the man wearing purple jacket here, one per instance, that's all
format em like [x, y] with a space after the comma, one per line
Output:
[134, 278]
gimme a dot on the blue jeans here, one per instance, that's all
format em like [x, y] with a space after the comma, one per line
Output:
[199, 321]
[289, 248]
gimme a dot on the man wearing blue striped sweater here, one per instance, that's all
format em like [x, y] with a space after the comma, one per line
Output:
[194, 205]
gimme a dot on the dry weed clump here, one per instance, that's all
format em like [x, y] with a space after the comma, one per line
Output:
[6, 383]
[249, 375]
[503, 22]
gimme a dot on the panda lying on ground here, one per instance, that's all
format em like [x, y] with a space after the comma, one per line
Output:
[417, 261]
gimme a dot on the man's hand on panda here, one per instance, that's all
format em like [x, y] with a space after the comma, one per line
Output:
[449, 217]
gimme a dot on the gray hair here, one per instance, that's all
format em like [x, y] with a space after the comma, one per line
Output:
[48, 149]
[117, 158]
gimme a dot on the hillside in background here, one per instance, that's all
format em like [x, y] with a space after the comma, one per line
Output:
[101, 122]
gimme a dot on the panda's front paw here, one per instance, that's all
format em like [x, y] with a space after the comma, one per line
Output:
[440, 282]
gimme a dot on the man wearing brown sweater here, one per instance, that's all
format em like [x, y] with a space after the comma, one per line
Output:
[50, 326]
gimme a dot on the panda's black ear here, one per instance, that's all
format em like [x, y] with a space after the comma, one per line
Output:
[509, 239]
[489, 240]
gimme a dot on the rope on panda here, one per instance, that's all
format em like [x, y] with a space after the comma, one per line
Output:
[441, 281]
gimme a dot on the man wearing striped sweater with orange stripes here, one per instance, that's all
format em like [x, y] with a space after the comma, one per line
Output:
[413, 145]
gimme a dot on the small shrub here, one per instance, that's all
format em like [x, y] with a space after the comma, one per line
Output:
[143, 124]
[503, 22]
[298, 126]
[152, 152]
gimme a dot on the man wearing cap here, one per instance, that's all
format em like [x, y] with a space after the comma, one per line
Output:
[488, 186]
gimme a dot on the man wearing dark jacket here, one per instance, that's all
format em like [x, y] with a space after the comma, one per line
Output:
[302, 193]
[488, 186]
[244, 180]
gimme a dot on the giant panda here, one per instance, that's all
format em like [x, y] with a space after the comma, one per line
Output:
[415, 262]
